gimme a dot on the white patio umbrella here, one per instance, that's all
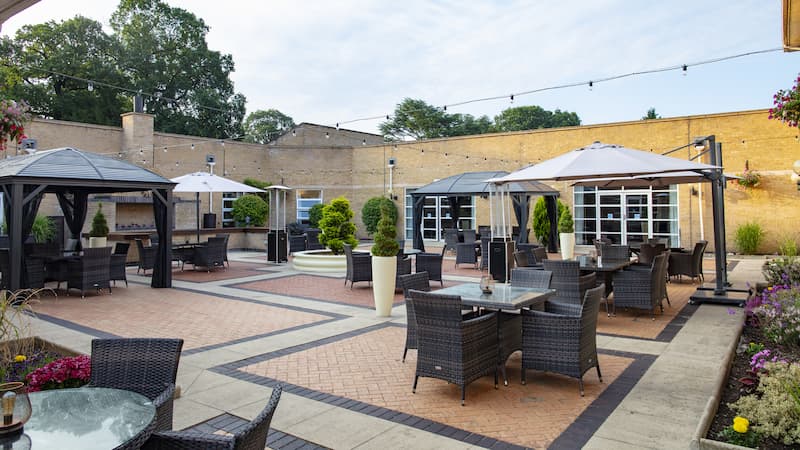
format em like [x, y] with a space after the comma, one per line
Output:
[655, 180]
[198, 182]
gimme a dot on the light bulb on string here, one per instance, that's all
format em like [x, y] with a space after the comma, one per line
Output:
[192, 146]
[590, 85]
[685, 67]
[294, 132]
[363, 142]
[90, 86]
[327, 135]
[165, 149]
[512, 99]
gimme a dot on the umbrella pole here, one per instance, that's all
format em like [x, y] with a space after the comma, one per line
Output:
[197, 210]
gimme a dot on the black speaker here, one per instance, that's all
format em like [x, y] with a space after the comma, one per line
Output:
[501, 260]
[276, 246]
[209, 220]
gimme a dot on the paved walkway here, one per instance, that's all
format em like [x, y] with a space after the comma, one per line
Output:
[346, 385]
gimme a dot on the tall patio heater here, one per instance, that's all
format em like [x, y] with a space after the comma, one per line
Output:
[277, 243]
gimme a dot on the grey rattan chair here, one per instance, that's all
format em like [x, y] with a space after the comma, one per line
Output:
[567, 280]
[90, 271]
[419, 282]
[531, 278]
[403, 268]
[485, 252]
[142, 365]
[450, 348]
[312, 239]
[147, 256]
[648, 251]
[615, 252]
[431, 263]
[211, 255]
[539, 254]
[450, 239]
[465, 254]
[689, 264]
[641, 289]
[227, 237]
[521, 258]
[359, 266]
[598, 243]
[470, 236]
[116, 268]
[563, 338]
[252, 436]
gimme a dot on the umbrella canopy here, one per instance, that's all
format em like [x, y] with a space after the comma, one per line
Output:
[208, 182]
[602, 161]
[655, 180]
[474, 183]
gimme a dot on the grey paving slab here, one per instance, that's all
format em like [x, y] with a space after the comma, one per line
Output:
[403, 437]
[188, 412]
[631, 345]
[294, 410]
[231, 395]
[195, 380]
[339, 428]
[598, 443]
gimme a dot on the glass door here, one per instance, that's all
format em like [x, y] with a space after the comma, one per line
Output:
[637, 218]
[611, 216]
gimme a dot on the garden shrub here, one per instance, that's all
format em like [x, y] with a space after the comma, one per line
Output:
[778, 312]
[386, 236]
[787, 246]
[782, 271]
[748, 237]
[99, 224]
[315, 215]
[337, 228]
[44, 230]
[541, 222]
[775, 410]
[371, 213]
[69, 372]
[251, 206]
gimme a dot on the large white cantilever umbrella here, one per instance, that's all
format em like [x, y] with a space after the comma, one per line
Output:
[198, 182]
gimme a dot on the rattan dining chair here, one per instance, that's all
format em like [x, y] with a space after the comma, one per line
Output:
[252, 436]
[641, 289]
[90, 271]
[567, 280]
[116, 268]
[689, 264]
[142, 365]
[431, 263]
[359, 266]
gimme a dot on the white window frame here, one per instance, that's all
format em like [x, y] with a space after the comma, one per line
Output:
[301, 214]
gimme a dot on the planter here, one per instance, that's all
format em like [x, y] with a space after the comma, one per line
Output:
[567, 241]
[320, 261]
[384, 271]
[96, 242]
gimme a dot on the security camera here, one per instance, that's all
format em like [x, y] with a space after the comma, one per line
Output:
[392, 162]
[210, 159]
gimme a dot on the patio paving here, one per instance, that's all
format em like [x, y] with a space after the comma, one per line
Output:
[344, 383]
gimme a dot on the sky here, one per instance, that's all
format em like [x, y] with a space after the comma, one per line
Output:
[330, 62]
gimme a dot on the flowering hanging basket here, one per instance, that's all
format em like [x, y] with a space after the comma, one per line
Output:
[787, 105]
[749, 179]
[13, 116]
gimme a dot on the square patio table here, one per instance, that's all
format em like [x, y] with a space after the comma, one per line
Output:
[607, 269]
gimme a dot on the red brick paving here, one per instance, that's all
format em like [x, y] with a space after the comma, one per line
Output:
[368, 368]
[201, 320]
[237, 269]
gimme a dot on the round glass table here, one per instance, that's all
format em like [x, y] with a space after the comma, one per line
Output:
[83, 418]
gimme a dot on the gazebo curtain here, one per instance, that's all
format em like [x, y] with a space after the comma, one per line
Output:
[455, 209]
[419, 205]
[162, 269]
[520, 204]
[74, 205]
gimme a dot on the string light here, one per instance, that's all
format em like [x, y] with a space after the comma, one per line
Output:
[192, 146]
[328, 135]
[90, 86]
[512, 99]
[684, 69]
[590, 85]
[294, 132]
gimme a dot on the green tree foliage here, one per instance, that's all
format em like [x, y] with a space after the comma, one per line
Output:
[337, 226]
[99, 224]
[565, 222]
[264, 126]
[251, 206]
[315, 215]
[748, 237]
[164, 50]
[651, 114]
[386, 235]
[32, 64]
[258, 184]
[44, 230]
[534, 117]
[541, 223]
[372, 212]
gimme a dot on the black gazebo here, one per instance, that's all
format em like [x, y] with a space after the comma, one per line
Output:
[72, 175]
[468, 184]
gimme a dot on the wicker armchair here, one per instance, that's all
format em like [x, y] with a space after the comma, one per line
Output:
[118, 260]
[431, 263]
[145, 366]
[598, 243]
[563, 338]
[450, 348]
[648, 251]
[641, 289]
[210, 255]
[531, 278]
[419, 282]
[465, 254]
[568, 282]
[615, 252]
[403, 268]
[450, 239]
[312, 239]
[227, 237]
[539, 254]
[359, 266]
[484, 253]
[147, 256]
[521, 258]
[90, 271]
[297, 243]
[689, 264]
[470, 236]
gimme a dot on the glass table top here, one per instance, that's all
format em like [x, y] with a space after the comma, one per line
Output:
[83, 418]
[503, 296]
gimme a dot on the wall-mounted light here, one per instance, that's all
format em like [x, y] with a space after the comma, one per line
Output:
[796, 176]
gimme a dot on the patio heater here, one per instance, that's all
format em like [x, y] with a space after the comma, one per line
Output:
[276, 242]
[501, 246]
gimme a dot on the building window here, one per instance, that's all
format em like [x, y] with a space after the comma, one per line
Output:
[227, 208]
[436, 216]
[626, 216]
[306, 198]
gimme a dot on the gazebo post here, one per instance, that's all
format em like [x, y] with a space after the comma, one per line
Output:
[15, 237]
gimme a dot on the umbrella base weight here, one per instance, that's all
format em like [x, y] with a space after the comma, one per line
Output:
[732, 288]
[725, 298]
[209, 220]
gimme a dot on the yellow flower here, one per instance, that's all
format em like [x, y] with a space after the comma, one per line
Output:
[740, 424]
[20, 358]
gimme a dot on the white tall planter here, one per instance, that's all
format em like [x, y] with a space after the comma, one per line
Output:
[384, 271]
[97, 242]
[567, 241]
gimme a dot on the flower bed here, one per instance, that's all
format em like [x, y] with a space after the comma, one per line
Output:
[760, 402]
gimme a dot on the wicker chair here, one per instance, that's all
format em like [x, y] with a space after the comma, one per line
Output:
[598, 243]
[431, 263]
[419, 282]
[227, 237]
[147, 256]
[450, 239]
[689, 264]
[521, 258]
[403, 268]
[450, 348]
[297, 243]
[116, 268]
[210, 255]
[312, 239]
[539, 254]
[563, 338]
[531, 278]
[465, 254]
[359, 266]
[641, 289]
[484, 253]
[90, 271]
[145, 366]
[648, 251]
[568, 282]
[615, 252]
[470, 236]
[252, 436]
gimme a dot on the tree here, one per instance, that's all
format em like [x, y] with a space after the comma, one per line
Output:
[164, 50]
[250, 210]
[258, 184]
[337, 228]
[416, 119]
[386, 234]
[534, 117]
[372, 212]
[651, 114]
[315, 215]
[264, 126]
[541, 223]
[99, 223]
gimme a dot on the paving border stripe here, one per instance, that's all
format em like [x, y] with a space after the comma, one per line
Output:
[331, 302]
[276, 439]
[76, 326]
[581, 430]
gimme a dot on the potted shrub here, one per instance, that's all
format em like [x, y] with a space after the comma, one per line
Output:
[566, 234]
[43, 229]
[99, 233]
[371, 213]
[384, 263]
[336, 225]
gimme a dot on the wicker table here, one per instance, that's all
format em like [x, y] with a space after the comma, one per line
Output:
[86, 418]
[607, 269]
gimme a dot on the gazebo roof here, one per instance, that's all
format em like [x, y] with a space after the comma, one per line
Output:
[474, 183]
[79, 170]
